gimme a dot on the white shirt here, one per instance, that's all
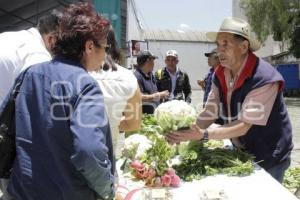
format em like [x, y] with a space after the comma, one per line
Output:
[173, 80]
[19, 50]
[117, 87]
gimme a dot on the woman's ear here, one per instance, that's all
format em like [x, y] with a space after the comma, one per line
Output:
[89, 45]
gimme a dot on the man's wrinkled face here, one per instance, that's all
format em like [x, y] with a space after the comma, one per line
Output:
[213, 60]
[171, 61]
[229, 50]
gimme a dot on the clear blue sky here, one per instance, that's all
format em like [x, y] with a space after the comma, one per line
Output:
[204, 15]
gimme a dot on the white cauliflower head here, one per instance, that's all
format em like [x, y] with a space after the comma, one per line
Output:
[175, 114]
[136, 146]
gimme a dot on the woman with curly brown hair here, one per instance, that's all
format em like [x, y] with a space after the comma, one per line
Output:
[63, 139]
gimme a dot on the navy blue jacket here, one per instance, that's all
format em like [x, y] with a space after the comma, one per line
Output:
[63, 140]
[270, 144]
[208, 83]
[147, 84]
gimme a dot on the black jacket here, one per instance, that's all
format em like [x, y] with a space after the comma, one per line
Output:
[183, 88]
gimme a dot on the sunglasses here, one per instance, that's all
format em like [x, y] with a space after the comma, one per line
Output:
[106, 47]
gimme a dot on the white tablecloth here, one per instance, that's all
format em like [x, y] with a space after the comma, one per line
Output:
[258, 186]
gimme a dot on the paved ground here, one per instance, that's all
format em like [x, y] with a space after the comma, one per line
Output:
[293, 106]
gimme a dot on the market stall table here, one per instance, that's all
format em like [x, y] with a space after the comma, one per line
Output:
[259, 186]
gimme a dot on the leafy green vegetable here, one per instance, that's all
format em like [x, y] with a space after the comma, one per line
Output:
[148, 127]
[211, 144]
[198, 159]
[159, 155]
[149, 119]
[205, 159]
[291, 179]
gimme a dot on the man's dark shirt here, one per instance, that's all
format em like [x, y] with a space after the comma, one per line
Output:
[208, 82]
[147, 84]
[182, 89]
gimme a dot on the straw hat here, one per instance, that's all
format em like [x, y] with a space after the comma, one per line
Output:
[236, 26]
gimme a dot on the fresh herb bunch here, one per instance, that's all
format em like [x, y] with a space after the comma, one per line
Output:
[203, 160]
[153, 164]
[159, 155]
[149, 127]
[148, 119]
[291, 179]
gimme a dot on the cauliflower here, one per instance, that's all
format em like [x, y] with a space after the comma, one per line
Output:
[174, 115]
[136, 146]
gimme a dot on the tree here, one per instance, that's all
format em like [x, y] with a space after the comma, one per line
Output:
[295, 39]
[279, 18]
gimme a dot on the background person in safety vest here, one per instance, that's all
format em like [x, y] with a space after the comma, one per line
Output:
[173, 79]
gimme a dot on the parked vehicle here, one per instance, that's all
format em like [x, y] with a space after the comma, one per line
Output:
[290, 73]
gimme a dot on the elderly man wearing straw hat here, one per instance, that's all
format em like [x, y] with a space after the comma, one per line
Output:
[247, 95]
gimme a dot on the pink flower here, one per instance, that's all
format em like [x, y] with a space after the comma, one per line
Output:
[166, 180]
[139, 173]
[171, 171]
[175, 181]
[150, 173]
[137, 165]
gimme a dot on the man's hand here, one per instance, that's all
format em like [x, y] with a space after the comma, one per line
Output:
[194, 133]
[201, 83]
[164, 94]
